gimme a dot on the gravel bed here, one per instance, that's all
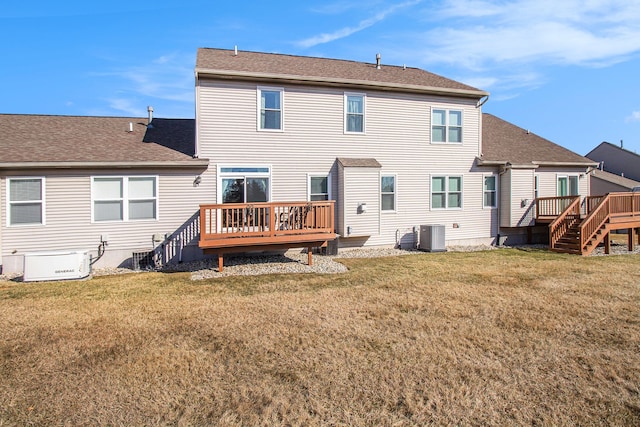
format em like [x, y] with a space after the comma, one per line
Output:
[295, 261]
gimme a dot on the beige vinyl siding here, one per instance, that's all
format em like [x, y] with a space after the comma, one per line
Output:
[361, 186]
[548, 180]
[505, 198]
[522, 197]
[397, 135]
[517, 198]
[68, 215]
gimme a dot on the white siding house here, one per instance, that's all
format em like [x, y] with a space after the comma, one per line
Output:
[109, 185]
[395, 147]
[414, 133]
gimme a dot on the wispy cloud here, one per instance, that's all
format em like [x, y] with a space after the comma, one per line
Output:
[166, 78]
[347, 31]
[127, 106]
[633, 117]
[489, 32]
[490, 38]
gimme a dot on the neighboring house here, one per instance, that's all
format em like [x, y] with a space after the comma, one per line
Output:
[616, 160]
[530, 167]
[395, 147]
[619, 169]
[603, 182]
[75, 182]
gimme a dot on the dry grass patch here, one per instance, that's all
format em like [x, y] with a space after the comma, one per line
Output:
[496, 337]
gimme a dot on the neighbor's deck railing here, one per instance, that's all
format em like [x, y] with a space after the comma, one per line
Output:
[564, 220]
[622, 207]
[270, 220]
[547, 207]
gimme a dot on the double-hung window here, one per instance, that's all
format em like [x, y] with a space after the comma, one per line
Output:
[354, 107]
[388, 192]
[489, 195]
[124, 198]
[446, 192]
[270, 109]
[25, 201]
[446, 126]
[319, 187]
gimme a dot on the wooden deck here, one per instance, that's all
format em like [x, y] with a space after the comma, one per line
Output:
[580, 227]
[243, 227]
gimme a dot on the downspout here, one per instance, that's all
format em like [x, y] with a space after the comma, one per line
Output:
[482, 101]
[479, 105]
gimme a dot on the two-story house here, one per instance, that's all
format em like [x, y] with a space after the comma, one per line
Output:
[395, 147]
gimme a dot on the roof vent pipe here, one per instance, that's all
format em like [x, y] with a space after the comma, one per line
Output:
[150, 111]
[377, 61]
[235, 50]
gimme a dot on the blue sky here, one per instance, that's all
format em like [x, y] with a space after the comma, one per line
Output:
[567, 70]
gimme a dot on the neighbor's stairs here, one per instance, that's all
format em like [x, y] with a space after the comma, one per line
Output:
[570, 241]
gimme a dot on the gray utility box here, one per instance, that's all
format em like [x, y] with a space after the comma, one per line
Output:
[432, 238]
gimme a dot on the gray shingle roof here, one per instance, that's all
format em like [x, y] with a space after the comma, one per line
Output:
[615, 179]
[317, 70]
[75, 139]
[358, 163]
[505, 142]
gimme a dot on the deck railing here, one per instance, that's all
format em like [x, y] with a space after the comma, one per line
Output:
[552, 206]
[624, 207]
[565, 220]
[265, 220]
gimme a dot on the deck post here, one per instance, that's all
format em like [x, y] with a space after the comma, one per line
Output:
[309, 256]
[631, 236]
[607, 243]
[638, 234]
[220, 262]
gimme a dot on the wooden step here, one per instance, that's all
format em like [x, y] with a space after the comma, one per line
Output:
[567, 251]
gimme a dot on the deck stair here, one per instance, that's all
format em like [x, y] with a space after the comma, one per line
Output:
[574, 233]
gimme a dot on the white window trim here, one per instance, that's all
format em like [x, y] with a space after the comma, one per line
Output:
[9, 203]
[446, 181]
[222, 175]
[495, 178]
[319, 175]
[259, 90]
[395, 194]
[536, 185]
[364, 113]
[125, 198]
[446, 141]
[567, 175]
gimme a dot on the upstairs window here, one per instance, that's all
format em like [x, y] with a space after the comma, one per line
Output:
[354, 113]
[446, 126]
[388, 192]
[489, 196]
[270, 109]
[26, 201]
[446, 192]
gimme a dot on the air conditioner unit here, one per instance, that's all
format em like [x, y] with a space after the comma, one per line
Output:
[61, 265]
[432, 238]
